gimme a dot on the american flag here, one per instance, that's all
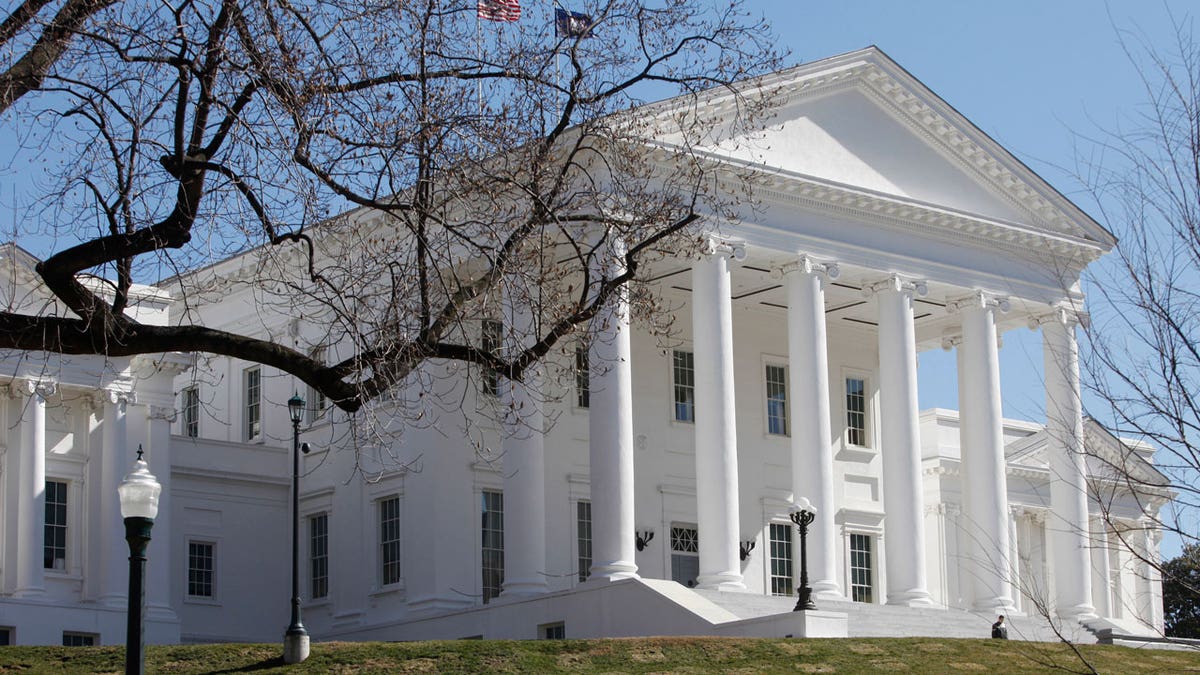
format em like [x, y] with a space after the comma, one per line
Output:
[499, 10]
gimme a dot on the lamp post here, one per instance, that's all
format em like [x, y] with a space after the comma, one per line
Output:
[295, 640]
[138, 495]
[803, 513]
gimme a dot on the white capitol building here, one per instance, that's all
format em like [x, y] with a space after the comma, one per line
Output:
[649, 495]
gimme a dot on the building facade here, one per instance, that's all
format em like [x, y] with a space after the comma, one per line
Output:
[888, 225]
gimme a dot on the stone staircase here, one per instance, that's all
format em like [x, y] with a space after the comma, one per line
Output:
[871, 620]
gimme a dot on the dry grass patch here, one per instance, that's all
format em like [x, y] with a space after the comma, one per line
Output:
[967, 666]
[864, 649]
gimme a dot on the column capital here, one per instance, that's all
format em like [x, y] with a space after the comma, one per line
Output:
[162, 412]
[116, 396]
[730, 248]
[898, 283]
[25, 387]
[951, 340]
[806, 264]
[1066, 315]
[979, 299]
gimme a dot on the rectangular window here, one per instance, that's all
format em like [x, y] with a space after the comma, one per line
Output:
[389, 540]
[860, 568]
[683, 370]
[583, 525]
[252, 402]
[583, 392]
[685, 555]
[781, 559]
[856, 411]
[777, 400]
[191, 412]
[318, 555]
[6, 636]
[493, 543]
[490, 343]
[200, 569]
[315, 399]
[54, 544]
[73, 639]
[553, 631]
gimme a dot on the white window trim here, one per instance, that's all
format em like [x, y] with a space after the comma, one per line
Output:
[795, 551]
[876, 536]
[851, 451]
[183, 393]
[681, 347]
[71, 540]
[779, 362]
[575, 536]
[245, 407]
[308, 571]
[377, 586]
[574, 356]
[215, 542]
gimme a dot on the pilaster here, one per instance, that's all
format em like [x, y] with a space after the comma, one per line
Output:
[31, 486]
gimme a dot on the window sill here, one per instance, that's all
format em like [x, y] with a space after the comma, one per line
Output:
[391, 589]
[200, 600]
[856, 453]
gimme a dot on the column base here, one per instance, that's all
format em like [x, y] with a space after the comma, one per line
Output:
[614, 571]
[1082, 612]
[29, 593]
[996, 605]
[722, 581]
[910, 599]
[827, 590]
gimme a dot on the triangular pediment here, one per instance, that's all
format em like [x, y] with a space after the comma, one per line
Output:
[1107, 456]
[860, 123]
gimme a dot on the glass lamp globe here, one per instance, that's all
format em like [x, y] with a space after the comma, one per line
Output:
[139, 492]
[802, 504]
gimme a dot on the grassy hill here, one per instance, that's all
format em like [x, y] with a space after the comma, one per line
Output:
[639, 655]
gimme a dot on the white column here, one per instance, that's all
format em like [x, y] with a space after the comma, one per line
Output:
[808, 416]
[31, 502]
[610, 429]
[981, 434]
[716, 430]
[1067, 526]
[1102, 567]
[158, 456]
[903, 501]
[1014, 555]
[524, 462]
[114, 556]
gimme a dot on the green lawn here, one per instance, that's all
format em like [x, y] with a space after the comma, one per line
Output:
[641, 655]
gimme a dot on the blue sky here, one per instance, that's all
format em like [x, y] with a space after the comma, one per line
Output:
[1036, 75]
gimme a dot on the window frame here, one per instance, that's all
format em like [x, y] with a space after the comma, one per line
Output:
[213, 586]
[789, 562]
[315, 405]
[487, 590]
[689, 405]
[397, 544]
[64, 526]
[582, 541]
[315, 574]
[491, 339]
[868, 413]
[872, 540]
[86, 639]
[672, 551]
[583, 374]
[189, 411]
[767, 365]
[252, 422]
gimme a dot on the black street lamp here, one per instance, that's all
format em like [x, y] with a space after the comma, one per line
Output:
[138, 495]
[803, 513]
[295, 640]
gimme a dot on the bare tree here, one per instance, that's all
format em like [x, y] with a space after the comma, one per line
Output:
[467, 159]
[1143, 350]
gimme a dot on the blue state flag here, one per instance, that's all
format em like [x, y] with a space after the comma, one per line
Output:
[572, 24]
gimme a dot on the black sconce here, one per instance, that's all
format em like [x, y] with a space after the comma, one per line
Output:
[643, 538]
[745, 548]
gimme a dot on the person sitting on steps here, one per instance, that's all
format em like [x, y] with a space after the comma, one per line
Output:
[999, 630]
